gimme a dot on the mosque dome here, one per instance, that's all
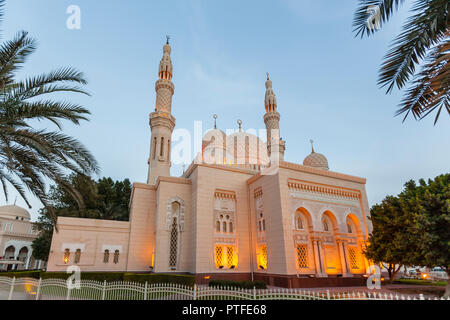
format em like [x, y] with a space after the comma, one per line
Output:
[14, 212]
[316, 160]
[248, 147]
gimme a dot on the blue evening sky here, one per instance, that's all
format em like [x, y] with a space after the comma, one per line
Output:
[324, 78]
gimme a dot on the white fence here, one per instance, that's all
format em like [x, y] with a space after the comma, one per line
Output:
[57, 289]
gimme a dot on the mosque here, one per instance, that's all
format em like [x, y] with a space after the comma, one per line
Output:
[238, 212]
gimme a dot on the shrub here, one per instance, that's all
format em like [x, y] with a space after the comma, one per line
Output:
[97, 276]
[238, 284]
[187, 280]
[21, 274]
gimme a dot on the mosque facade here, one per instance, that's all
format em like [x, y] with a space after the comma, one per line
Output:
[239, 211]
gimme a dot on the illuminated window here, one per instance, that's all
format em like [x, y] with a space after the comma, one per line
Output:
[77, 256]
[66, 257]
[219, 257]
[302, 256]
[230, 256]
[353, 259]
[263, 257]
[106, 256]
[173, 244]
[116, 256]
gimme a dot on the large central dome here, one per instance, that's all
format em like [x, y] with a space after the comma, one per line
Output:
[316, 160]
[14, 212]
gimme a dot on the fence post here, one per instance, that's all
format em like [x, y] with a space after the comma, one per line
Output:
[195, 291]
[421, 296]
[145, 291]
[12, 288]
[68, 292]
[328, 295]
[38, 290]
[254, 293]
[104, 290]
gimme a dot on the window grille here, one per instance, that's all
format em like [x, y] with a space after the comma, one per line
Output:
[77, 256]
[66, 257]
[353, 258]
[263, 257]
[173, 244]
[230, 256]
[106, 256]
[116, 256]
[325, 225]
[219, 256]
[302, 256]
[299, 223]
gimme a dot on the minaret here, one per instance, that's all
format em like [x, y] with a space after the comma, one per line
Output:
[275, 146]
[161, 121]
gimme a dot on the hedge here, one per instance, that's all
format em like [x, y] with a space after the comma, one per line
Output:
[21, 274]
[238, 284]
[187, 280]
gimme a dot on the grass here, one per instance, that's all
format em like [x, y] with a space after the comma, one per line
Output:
[421, 282]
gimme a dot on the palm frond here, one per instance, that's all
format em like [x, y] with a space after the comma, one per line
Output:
[422, 30]
[372, 14]
[430, 90]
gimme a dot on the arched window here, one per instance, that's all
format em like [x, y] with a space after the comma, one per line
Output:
[349, 227]
[217, 226]
[224, 224]
[173, 244]
[116, 256]
[260, 225]
[77, 256]
[299, 222]
[161, 153]
[231, 227]
[325, 225]
[264, 224]
[154, 148]
[66, 257]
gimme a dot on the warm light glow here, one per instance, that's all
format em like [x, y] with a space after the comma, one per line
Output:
[225, 257]
[207, 277]
[425, 275]
[261, 257]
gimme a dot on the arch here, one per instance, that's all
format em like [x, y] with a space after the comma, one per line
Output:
[176, 210]
[9, 252]
[305, 217]
[331, 219]
[355, 222]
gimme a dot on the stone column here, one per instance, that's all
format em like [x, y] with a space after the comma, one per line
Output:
[344, 251]
[316, 258]
[345, 270]
[322, 258]
[30, 254]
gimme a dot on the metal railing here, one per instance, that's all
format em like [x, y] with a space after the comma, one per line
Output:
[58, 289]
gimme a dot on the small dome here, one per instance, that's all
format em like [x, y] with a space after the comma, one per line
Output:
[316, 160]
[13, 211]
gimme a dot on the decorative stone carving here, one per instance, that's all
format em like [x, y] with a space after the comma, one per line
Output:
[179, 214]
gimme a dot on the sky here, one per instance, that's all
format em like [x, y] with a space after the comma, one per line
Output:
[324, 78]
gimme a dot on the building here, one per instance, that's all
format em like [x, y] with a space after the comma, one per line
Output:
[16, 236]
[239, 211]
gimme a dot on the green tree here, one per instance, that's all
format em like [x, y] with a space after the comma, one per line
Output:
[424, 42]
[390, 241]
[103, 199]
[429, 203]
[30, 157]
[41, 245]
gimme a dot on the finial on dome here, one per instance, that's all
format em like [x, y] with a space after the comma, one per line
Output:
[215, 120]
[268, 76]
[240, 125]
[168, 38]
[312, 145]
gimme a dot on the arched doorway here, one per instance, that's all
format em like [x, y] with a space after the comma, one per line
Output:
[354, 246]
[9, 255]
[303, 245]
[22, 257]
[332, 260]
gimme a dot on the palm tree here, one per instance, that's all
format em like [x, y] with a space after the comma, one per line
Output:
[425, 42]
[30, 158]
